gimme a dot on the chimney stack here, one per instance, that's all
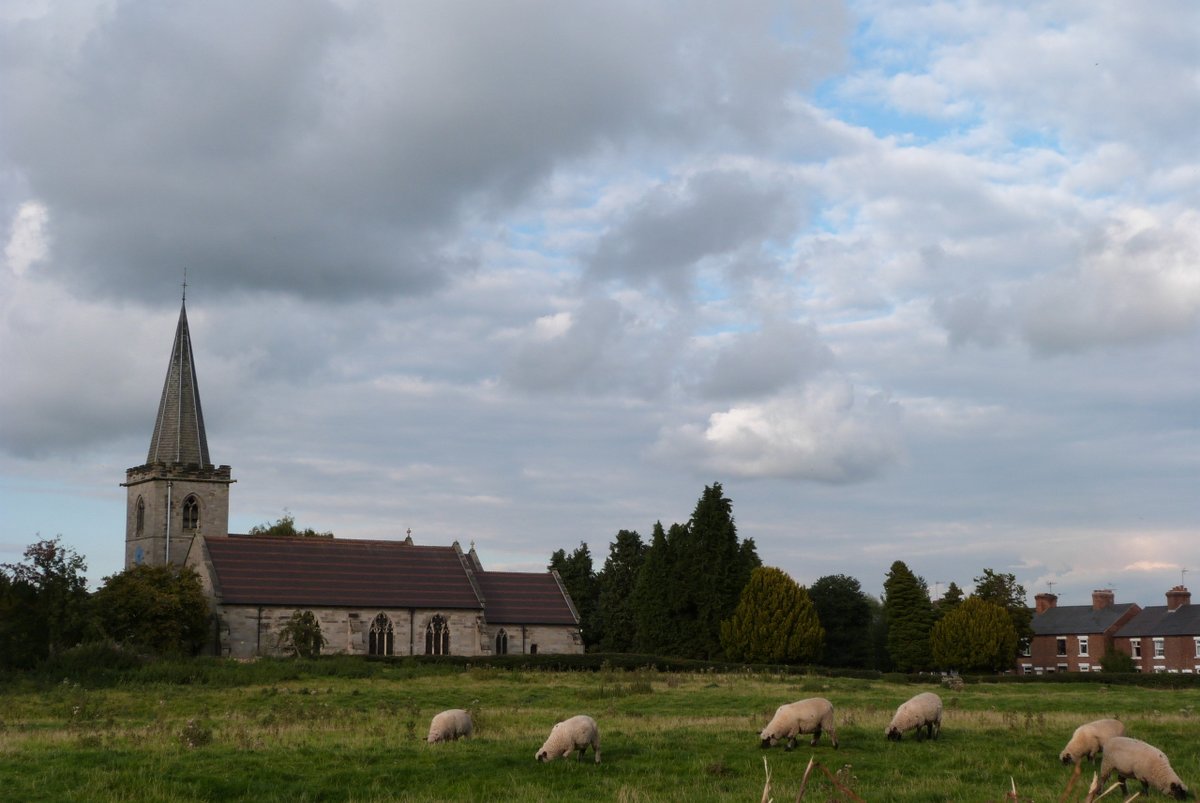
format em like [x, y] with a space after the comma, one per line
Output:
[1045, 602]
[1102, 598]
[1178, 596]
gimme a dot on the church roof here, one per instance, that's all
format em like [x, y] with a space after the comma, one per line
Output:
[338, 572]
[524, 598]
[179, 428]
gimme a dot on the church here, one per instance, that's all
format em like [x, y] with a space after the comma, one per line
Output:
[371, 597]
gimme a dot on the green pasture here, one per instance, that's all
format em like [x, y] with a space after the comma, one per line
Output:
[331, 736]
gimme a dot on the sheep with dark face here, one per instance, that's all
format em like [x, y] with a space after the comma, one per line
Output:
[577, 733]
[1089, 739]
[923, 711]
[1133, 758]
[813, 715]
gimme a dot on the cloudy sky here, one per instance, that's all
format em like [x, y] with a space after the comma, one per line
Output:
[914, 281]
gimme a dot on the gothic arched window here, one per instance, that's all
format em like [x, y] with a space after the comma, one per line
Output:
[191, 513]
[380, 639]
[502, 642]
[437, 636]
[140, 516]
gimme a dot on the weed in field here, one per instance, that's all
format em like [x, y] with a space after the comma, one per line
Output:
[195, 734]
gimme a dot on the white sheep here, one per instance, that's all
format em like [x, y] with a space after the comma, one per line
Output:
[450, 725]
[1088, 740]
[576, 733]
[1133, 758]
[803, 716]
[921, 711]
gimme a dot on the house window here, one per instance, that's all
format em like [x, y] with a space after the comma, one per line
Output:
[1026, 649]
[533, 649]
[1061, 668]
[191, 513]
[1061, 647]
[1197, 640]
[140, 517]
[1159, 651]
[381, 639]
[437, 636]
[1085, 667]
[502, 642]
[1026, 669]
[1083, 646]
[1135, 645]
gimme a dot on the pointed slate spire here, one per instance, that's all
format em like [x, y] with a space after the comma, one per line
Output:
[179, 429]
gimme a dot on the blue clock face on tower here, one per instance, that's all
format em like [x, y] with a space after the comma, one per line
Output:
[138, 556]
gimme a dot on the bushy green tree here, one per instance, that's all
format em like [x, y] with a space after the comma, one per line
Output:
[615, 587]
[157, 608]
[845, 613]
[1117, 661]
[977, 636]
[774, 622]
[909, 615]
[301, 635]
[1005, 591]
[286, 525]
[43, 604]
[578, 576]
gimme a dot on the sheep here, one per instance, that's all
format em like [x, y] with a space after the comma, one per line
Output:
[449, 725]
[803, 716]
[576, 733]
[921, 711]
[1088, 740]
[1133, 758]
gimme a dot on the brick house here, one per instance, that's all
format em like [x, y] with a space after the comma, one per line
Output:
[1074, 638]
[369, 597]
[1164, 638]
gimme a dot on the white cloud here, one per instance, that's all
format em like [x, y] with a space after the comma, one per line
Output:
[27, 238]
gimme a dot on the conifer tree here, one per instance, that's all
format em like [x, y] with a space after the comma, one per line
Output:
[774, 622]
[615, 584]
[977, 636]
[909, 615]
[845, 613]
[580, 581]
[655, 597]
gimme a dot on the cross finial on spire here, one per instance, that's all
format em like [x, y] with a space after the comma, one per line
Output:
[185, 285]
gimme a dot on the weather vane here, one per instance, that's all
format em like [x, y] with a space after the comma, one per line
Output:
[185, 284]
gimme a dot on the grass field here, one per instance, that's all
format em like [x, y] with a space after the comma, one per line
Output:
[665, 737]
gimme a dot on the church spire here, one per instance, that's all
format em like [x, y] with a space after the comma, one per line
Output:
[179, 428]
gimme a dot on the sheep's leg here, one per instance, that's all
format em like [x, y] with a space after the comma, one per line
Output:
[816, 737]
[791, 745]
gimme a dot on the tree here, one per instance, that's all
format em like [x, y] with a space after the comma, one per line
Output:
[774, 622]
[615, 586]
[43, 602]
[845, 613]
[909, 616]
[713, 567]
[951, 599]
[577, 575]
[301, 635]
[159, 608]
[1117, 661]
[656, 594]
[286, 525]
[1005, 591]
[977, 636]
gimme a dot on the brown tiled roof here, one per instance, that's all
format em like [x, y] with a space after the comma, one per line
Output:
[332, 572]
[524, 598]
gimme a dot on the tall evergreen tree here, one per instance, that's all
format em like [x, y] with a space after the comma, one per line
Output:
[910, 617]
[977, 636]
[580, 580]
[654, 595]
[845, 613]
[615, 584]
[774, 621]
[1005, 591]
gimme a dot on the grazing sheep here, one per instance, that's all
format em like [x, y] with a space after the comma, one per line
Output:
[449, 725]
[576, 733]
[921, 711]
[803, 716]
[1088, 740]
[1133, 758]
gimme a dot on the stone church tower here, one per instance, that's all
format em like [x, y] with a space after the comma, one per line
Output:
[178, 493]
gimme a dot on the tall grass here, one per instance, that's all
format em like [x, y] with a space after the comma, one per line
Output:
[353, 730]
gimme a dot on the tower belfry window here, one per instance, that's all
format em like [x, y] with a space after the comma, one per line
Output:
[140, 516]
[191, 513]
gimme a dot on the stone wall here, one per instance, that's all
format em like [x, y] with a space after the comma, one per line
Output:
[149, 483]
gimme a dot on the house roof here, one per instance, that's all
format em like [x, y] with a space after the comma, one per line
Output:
[1159, 620]
[524, 598]
[179, 428]
[338, 572]
[1070, 619]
